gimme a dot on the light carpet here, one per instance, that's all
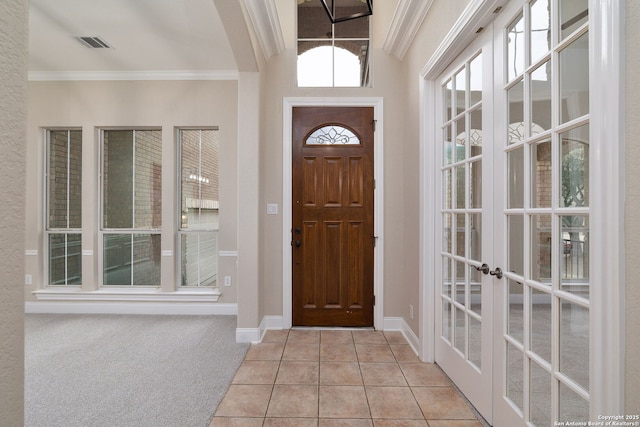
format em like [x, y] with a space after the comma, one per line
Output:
[126, 370]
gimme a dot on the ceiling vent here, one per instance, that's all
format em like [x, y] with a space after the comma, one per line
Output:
[94, 42]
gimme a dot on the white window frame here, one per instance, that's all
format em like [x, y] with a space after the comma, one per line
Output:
[333, 39]
[91, 296]
[48, 231]
[179, 231]
[102, 231]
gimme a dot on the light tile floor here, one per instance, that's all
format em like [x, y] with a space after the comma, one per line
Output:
[338, 378]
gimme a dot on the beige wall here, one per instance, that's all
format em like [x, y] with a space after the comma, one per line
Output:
[13, 73]
[632, 220]
[250, 148]
[158, 104]
[439, 21]
[397, 83]
[281, 83]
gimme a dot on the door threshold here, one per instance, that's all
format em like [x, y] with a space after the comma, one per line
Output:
[332, 328]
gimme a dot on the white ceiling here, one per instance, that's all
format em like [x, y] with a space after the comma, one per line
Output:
[145, 35]
[156, 39]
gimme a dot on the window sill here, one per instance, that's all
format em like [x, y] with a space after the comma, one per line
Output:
[136, 294]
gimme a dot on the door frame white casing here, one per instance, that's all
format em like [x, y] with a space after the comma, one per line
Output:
[607, 127]
[287, 220]
[607, 130]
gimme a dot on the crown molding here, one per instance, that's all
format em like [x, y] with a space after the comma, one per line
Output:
[132, 75]
[266, 24]
[405, 24]
[476, 15]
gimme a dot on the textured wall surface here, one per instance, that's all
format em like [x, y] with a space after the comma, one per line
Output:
[13, 72]
[632, 219]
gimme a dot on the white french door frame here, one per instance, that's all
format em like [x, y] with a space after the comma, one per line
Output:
[607, 128]
[287, 219]
[468, 362]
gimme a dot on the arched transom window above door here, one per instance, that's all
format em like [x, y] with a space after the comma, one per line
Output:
[332, 55]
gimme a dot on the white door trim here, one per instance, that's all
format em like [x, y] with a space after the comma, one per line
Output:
[607, 130]
[428, 246]
[287, 221]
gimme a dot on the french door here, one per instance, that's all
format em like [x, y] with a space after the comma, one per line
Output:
[513, 310]
[467, 167]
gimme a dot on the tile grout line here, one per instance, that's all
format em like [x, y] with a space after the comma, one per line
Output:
[364, 387]
[275, 379]
[318, 385]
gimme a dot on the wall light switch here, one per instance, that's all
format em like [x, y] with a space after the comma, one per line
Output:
[28, 279]
[272, 209]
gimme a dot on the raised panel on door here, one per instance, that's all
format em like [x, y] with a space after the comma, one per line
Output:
[311, 174]
[313, 250]
[356, 182]
[333, 181]
[355, 243]
[333, 277]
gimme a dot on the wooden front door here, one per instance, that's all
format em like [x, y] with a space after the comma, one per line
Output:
[332, 235]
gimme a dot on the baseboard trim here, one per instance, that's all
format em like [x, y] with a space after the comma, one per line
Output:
[255, 335]
[271, 322]
[149, 308]
[399, 324]
[250, 335]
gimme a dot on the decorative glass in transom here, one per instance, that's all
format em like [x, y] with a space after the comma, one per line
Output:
[332, 135]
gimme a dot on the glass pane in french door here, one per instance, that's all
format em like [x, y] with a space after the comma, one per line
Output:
[544, 341]
[462, 209]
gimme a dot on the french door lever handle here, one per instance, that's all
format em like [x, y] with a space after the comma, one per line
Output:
[484, 268]
[497, 272]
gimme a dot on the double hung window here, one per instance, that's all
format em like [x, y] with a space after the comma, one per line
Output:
[130, 224]
[131, 207]
[199, 195]
[64, 206]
